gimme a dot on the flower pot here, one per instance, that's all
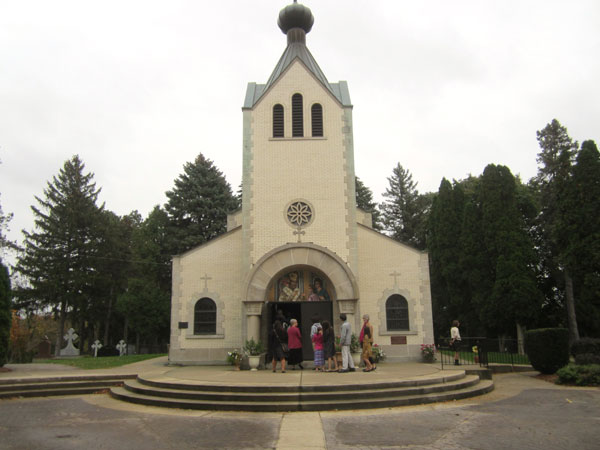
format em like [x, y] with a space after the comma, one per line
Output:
[427, 358]
[253, 361]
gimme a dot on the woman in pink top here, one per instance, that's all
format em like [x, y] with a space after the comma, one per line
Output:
[318, 341]
[294, 344]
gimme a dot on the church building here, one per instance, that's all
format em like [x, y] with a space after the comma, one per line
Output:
[299, 243]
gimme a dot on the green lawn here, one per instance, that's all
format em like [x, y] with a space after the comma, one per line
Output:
[105, 362]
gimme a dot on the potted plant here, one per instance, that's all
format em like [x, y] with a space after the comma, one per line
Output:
[253, 349]
[428, 353]
[378, 354]
[234, 357]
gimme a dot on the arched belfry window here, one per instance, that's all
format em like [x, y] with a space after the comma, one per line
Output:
[316, 114]
[297, 116]
[205, 316]
[278, 121]
[396, 313]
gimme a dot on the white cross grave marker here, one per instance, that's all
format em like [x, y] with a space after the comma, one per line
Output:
[70, 349]
[122, 347]
[96, 346]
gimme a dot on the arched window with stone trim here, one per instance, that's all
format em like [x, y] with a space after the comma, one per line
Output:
[297, 116]
[396, 313]
[205, 316]
[278, 121]
[316, 115]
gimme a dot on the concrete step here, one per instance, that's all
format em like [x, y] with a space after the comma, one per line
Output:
[294, 387]
[303, 402]
[367, 391]
[43, 387]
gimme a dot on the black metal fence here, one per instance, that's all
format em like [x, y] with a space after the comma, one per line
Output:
[482, 351]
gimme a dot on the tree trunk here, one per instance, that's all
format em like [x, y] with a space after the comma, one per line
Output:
[61, 328]
[126, 329]
[520, 339]
[137, 343]
[108, 313]
[571, 316]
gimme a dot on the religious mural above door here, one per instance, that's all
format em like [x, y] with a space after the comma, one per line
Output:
[299, 286]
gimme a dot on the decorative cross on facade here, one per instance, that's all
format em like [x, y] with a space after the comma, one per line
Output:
[395, 275]
[122, 347]
[206, 278]
[299, 232]
[96, 346]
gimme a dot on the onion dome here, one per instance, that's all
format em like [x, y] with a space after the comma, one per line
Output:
[295, 16]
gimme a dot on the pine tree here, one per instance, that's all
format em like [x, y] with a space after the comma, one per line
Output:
[404, 210]
[198, 205]
[5, 314]
[555, 159]
[59, 255]
[364, 200]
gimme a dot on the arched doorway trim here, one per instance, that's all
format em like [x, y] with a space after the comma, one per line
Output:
[300, 254]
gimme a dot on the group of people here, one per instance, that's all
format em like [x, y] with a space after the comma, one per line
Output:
[285, 343]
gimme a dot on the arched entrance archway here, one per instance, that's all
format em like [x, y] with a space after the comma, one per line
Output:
[299, 255]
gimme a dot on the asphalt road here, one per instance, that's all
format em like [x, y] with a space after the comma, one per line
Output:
[521, 414]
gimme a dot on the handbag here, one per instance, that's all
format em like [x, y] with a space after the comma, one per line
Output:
[284, 347]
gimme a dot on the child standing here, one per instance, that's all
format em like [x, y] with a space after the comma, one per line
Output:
[318, 345]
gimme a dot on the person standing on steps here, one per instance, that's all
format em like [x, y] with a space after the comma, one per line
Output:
[294, 345]
[345, 340]
[455, 340]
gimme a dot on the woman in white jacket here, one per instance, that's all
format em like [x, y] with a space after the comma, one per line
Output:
[455, 340]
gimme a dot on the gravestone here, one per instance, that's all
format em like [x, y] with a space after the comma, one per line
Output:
[44, 348]
[70, 349]
[97, 345]
[122, 347]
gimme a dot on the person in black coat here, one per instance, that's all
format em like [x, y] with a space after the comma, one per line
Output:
[277, 337]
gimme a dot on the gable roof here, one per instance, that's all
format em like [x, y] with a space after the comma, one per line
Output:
[293, 51]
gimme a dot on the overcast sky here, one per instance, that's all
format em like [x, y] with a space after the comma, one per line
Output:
[139, 88]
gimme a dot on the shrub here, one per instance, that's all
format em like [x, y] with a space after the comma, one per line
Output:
[587, 358]
[588, 375]
[5, 315]
[108, 351]
[586, 345]
[547, 349]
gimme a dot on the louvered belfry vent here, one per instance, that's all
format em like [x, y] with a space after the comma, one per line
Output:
[278, 121]
[316, 113]
[297, 119]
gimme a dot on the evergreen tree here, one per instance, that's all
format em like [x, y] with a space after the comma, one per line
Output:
[364, 200]
[404, 210]
[578, 235]
[5, 314]
[555, 159]
[146, 302]
[198, 205]
[59, 255]
[514, 298]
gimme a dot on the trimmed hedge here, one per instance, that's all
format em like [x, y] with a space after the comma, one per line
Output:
[586, 345]
[588, 375]
[547, 349]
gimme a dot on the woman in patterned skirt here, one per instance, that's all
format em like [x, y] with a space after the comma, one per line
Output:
[318, 342]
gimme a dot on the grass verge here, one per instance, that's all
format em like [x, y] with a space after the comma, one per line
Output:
[104, 362]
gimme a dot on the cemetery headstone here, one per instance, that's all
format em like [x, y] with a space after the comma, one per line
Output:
[44, 348]
[122, 347]
[70, 349]
[97, 345]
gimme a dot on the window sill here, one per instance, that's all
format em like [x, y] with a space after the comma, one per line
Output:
[205, 336]
[398, 333]
[304, 138]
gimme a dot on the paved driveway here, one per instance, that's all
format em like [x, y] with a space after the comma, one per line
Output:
[522, 413]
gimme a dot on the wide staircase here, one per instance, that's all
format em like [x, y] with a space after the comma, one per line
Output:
[266, 397]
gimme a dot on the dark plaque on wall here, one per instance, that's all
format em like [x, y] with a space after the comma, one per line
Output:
[183, 325]
[398, 340]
